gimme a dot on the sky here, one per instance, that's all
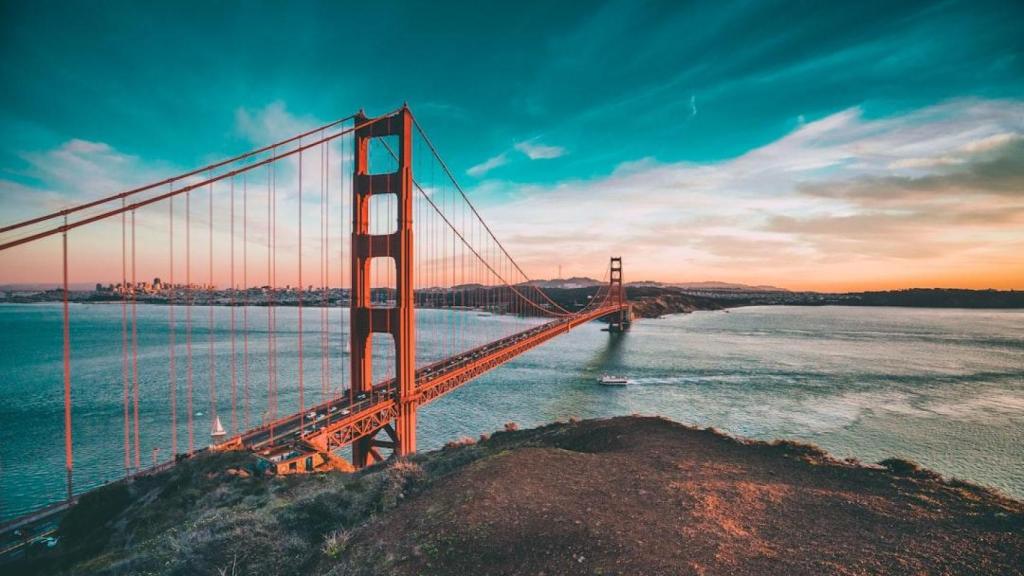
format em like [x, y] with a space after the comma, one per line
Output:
[808, 145]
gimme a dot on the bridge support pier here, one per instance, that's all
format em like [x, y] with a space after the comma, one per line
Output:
[366, 319]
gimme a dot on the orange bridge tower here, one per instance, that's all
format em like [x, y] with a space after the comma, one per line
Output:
[395, 249]
[621, 321]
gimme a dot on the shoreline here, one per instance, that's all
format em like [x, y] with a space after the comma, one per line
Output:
[648, 301]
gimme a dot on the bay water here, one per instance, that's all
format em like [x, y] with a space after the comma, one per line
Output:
[944, 388]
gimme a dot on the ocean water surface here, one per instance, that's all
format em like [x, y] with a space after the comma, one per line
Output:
[941, 387]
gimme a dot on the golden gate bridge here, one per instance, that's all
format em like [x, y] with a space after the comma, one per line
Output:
[395, 232]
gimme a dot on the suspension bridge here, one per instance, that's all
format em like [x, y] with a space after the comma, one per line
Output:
[290, 278]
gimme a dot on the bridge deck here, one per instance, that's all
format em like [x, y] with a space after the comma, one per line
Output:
[339, 422]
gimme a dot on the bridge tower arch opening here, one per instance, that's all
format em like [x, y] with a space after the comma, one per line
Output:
[398, 319]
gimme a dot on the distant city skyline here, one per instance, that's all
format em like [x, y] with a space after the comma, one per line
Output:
[852, 146]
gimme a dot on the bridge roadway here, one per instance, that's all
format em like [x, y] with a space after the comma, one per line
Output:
[339, 422]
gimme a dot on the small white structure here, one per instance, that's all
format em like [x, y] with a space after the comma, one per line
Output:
[217, 433]
[609, 380]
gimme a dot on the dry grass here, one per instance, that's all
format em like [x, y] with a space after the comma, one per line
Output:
[621, 496]
[335, 543]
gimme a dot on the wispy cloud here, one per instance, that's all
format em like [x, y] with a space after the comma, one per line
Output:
[529, 148]
[72, 172]
[831, 201]
[271, 123]
[932, 196]
[441, 110]
[536, 151]
[79, 170]
[488, 165]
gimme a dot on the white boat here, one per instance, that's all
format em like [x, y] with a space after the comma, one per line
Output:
[218, 429]
[609, 380]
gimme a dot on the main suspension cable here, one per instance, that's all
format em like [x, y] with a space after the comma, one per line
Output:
[160, 197]
[458, 187]
[122, 195]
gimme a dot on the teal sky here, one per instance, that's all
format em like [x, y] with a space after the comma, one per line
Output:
[522, 97]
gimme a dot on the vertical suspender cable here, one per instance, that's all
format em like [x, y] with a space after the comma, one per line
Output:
[302, 404]
[135, 350]
[463, 253]
[68, 461]
[188, 320]
[341, 267]
[234, 360]
[245, 302]
[455, 247]
[173, 329]
[385, 227]
[270, 298]
[273, 309]
[326, 257]
[323, 292]
[367, 278]
[320, 285]
[444, 279]
[124, 338]
[209, 305]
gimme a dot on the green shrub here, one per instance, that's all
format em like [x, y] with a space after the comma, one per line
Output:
[86, 527]
[901, 467]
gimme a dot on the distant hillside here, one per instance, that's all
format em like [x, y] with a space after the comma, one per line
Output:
[729, 286]
[566, 283]
[709, 285]
[38, 286]
[652, 301]
[940, 298]
[912, 297]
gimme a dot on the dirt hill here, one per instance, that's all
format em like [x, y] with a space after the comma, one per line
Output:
[634, 495]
